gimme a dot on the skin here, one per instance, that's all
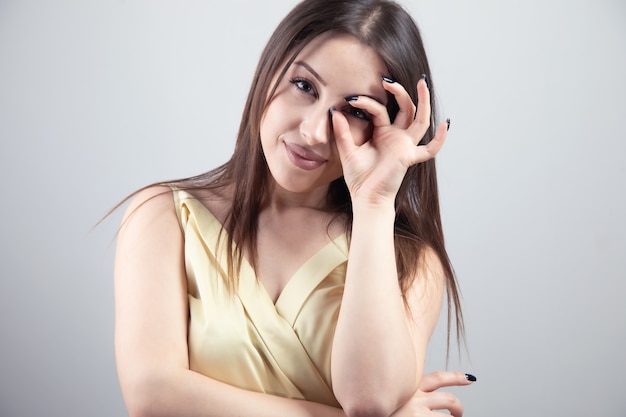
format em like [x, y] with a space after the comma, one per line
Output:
[305, 149]
[427, 398]
[369, 377]
[298, 121]
[322, 76]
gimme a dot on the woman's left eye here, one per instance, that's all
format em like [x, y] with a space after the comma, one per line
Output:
[360, 114]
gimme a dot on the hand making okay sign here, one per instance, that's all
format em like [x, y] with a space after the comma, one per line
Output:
[374, 170]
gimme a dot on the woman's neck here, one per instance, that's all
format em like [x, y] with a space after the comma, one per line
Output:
[279, 199]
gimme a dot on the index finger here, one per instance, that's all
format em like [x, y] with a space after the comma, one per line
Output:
[343, 136]
[435, 380]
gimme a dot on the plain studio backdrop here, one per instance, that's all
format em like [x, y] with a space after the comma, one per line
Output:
[98, 98]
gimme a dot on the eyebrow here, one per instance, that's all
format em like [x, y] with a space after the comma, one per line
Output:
[311, 70]
[321, 80]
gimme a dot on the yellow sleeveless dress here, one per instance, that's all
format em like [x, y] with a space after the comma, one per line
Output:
[243, 338]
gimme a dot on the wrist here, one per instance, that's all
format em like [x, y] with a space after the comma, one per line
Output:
[373, 204]
[373, 212]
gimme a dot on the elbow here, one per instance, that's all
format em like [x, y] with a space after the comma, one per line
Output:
[380, 399]
[362, 412]
[144, 396]
[136, 408]
[140, 405]
[368, 408]
[381, 403]
[139, 410]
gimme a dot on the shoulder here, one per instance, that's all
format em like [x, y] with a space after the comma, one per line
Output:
[216, 200]
[150, 213]
[150, 239]
[149, 201]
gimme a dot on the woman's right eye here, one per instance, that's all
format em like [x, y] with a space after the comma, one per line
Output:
[303, 85]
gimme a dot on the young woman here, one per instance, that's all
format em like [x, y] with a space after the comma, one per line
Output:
[305, 276]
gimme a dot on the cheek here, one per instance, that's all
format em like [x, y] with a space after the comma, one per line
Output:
[278, 117]
[269, 126]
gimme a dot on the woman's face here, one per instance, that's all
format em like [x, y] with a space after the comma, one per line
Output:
[296, 131]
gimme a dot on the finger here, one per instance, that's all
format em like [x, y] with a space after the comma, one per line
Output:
[444, 401]
[343, 135]
[407, 109]
[423, 153]
[435, 380]
[422, 115]
[376, 111]
[434, 401]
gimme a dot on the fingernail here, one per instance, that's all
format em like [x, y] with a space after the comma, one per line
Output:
[425, 77]
[352, 98]
[388, 80]
[470, 377]
[331, 110]
[448, 122]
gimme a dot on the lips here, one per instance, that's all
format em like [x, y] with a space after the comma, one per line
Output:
[303, 158]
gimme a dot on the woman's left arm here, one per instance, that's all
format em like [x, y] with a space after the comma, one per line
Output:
[380, 345]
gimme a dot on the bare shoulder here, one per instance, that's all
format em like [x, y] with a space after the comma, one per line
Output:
[156, 200]
[150, 238]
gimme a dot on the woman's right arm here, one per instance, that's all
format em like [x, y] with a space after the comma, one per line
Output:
[151, 314]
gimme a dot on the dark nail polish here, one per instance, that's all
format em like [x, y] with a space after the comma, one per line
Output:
[425, 77]
[448, 122]
[352, 98]
[331, 110]
[470, 377]
[388, 80]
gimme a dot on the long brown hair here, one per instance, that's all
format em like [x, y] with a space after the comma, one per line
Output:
[387, 28]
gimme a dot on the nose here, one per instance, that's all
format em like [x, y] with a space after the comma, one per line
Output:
[316, 125]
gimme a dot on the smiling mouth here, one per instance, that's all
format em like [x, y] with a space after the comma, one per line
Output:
[303, 158]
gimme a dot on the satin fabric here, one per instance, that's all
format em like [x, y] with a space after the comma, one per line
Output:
[242, 338]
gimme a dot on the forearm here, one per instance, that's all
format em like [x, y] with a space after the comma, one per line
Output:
[184, 393]
[373, 354]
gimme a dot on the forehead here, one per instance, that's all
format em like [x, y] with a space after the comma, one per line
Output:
[342, 49]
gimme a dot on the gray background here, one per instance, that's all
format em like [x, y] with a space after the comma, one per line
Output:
[98, 98]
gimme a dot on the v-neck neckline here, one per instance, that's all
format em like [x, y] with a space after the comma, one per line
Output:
[305, 278]
[308, 275]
